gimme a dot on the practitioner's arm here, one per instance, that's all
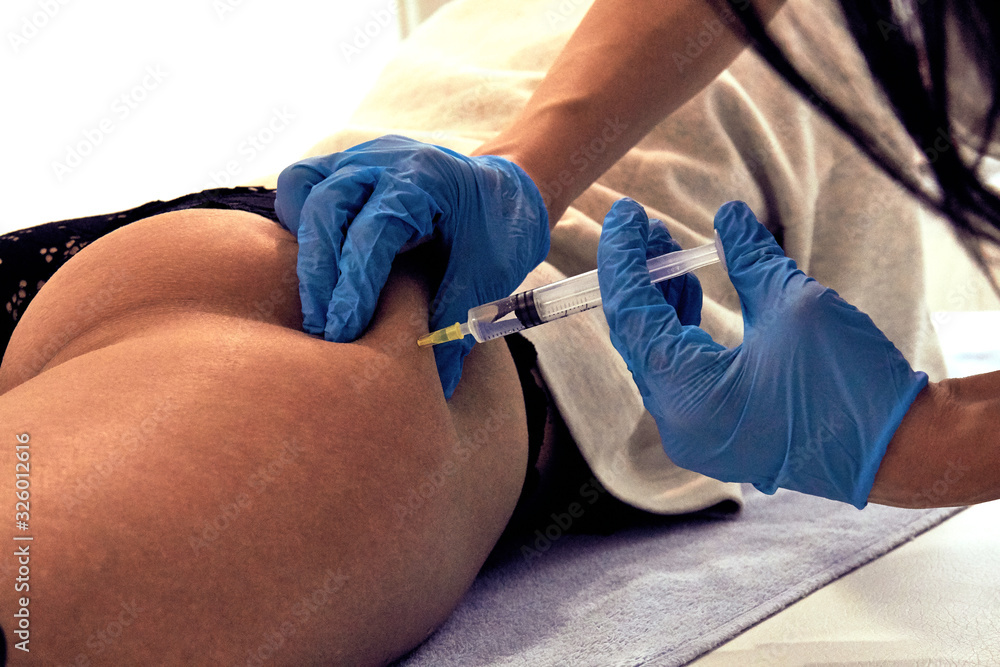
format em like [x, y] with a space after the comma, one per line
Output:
[946, 451]
[628, 65]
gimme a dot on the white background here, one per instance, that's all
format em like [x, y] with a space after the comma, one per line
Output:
[227, 71]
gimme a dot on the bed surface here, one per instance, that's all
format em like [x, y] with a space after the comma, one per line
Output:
[935, 600]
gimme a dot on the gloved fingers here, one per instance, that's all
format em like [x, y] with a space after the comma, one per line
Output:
[645, 328]
[365, 264]
[660, 241]
[323, 223]
[683, 292]
[621, 256]
[758, 267]
[633, 306]
[295, 183]
[340, 196]
[318, 267]
[396, 214]
[685, 295]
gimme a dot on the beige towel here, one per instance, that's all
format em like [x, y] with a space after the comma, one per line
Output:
[460, 77]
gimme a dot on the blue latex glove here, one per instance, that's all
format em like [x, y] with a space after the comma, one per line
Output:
[683, 292]
[352, 212]
[808, 401]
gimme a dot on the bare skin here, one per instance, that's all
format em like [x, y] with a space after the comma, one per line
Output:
[946, 452]
[208, 483]
[618, 76]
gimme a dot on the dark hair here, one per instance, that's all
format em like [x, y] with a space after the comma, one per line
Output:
[907, 55]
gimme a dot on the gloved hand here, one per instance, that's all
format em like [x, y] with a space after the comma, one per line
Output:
[808, 401]
[683, 292]
[352, 212]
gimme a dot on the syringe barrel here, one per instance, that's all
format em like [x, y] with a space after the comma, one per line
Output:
[677, 263]
[567, 297]
[572, 295]
[496, 318]
[583, 292]
[536, 306]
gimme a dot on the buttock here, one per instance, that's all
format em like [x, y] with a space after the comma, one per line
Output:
[182, 343]
[30, 256]
[226, 263]
[89, 320]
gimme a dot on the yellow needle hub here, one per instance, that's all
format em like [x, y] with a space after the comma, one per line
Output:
[454, 332]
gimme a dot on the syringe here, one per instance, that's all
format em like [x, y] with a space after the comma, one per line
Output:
[572, 295]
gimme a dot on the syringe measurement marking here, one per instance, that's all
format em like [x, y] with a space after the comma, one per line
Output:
[577, 304]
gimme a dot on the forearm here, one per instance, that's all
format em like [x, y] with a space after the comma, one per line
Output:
[946, 452]
[628, 65]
